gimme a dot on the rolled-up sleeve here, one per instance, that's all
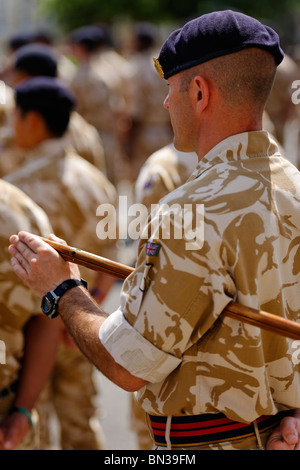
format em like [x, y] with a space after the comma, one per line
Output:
[132, 351]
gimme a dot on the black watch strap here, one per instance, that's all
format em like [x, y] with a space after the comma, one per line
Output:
[60, 290]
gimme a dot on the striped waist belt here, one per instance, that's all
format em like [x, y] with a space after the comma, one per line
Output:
[206, 428]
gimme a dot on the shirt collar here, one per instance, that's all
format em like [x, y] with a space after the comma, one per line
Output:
[238, 147]
[55, 146]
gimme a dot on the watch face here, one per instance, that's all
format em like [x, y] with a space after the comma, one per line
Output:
[47, 304]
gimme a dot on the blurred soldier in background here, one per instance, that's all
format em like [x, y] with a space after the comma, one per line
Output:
[41, 60]
[70, 190]
[28, 343]
[66, 68]
[98, 94]
[165, 170]
[283, 112]
[150, 122]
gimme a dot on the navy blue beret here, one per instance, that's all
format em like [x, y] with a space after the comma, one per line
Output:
[145, 30]
[90, 36]
[213, 35]
[19, 40]
[36, 60]
[44, 94]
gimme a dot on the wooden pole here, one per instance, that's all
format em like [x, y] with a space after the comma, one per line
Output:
[260, 318]
[91, 261]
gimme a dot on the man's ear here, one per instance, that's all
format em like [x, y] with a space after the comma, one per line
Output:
[201, 92]
[36, 125]
[33, 119]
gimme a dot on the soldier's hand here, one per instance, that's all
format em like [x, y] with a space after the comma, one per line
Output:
[13, 430]
[38, 264]
[287, 435]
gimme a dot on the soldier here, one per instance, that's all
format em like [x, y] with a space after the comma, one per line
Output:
[35, 60]
[205, 381]
[27, 344]
[150, 123]
[97, 95]
[66, 68]
[70, 190]
[283, 112]
[18, 40]
[165, 170]
[280, 106]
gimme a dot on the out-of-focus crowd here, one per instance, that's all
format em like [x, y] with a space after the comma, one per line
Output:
[82, 123]
[118, 94]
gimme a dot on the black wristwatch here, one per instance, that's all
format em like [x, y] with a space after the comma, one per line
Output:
[50, 300]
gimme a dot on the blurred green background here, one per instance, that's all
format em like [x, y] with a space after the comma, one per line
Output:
[70, 14]
[60, 17]
[73, 13]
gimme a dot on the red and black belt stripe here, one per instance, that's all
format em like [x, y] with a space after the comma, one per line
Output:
[206, 428]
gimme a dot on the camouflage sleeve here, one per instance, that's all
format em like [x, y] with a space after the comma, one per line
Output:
[17, 302]
[135, 353]
[171, 300]
[153, 183]
[17, 212]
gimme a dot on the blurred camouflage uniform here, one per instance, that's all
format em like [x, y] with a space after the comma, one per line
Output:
[163, 171]
[96, 104]
[114, 69]
[7, 106]
[214, 364]
[100, 86]
[17, 303]
[86, 141]
[81, 136]
[70, 190]
[280, 107]
[151, 128]
[33, 60]
[283, 112]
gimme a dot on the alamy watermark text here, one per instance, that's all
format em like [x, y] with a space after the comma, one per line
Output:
[164, 222]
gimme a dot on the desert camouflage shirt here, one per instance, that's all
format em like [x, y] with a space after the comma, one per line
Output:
[95, 102]
[17, 302]
[168, 329]
[69, 189]
[81, 136]
[94, 98]
[163, 172]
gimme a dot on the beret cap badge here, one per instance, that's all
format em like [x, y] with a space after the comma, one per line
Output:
[158, 67]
